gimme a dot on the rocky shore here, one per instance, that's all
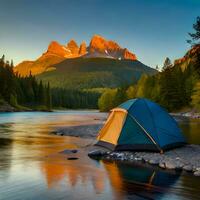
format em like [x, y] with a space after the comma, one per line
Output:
[5, 107]
[186, 158]
[191, 115]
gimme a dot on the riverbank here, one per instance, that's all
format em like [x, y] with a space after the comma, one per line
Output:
[5, 107]
[186, 158]
[187, 114]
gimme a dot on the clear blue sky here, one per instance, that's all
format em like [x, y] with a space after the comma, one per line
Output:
[152, 29]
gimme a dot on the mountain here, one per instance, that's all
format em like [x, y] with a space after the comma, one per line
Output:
[39, 66]
[103, 63]
[188, 58]
[88, 73]
[55, 53]
[100, 47]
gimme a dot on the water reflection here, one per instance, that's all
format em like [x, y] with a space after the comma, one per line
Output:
[191, 129]
[32, 167]
[74, 173]
[137, 181]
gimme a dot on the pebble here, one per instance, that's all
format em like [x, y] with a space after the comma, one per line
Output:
[188, 168]
[197, 173]
[97, 154]
[154, 161]
[72, 158]
[186, 158]
[68, 151]
[162, 165]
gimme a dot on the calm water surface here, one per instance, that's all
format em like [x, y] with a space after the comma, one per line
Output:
[31, 166]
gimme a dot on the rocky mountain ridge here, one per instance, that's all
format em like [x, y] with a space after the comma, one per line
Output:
[56, 52]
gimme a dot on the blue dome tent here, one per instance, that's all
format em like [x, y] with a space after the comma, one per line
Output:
[140, 124]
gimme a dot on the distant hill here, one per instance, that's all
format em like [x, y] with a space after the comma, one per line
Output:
[83, 73]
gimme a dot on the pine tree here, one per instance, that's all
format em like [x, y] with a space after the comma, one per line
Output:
[196, 96]
[49, 101]
[157, 68]
[195, 43]
[195, 37]
[11, 64]
[2, 61]
[167, 64]
[41, 94]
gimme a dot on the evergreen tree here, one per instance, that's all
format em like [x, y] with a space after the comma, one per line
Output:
[11, 64]
[141, 86]
[2, 61]
[49, 101]
[41, 94]
[196, 96]
[157, 68]
[120, 96]
[195, 43]
[107, 99]
[167, 64]
[131, 92]
[195, 37]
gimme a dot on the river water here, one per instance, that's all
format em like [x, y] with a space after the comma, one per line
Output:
[32, 167]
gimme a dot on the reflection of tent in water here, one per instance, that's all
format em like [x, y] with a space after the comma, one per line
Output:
[140, 124]
[138, 181]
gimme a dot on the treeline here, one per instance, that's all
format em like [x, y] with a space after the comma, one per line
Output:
[172, 88]
[22, 92]
[64, 98]
[175, 87]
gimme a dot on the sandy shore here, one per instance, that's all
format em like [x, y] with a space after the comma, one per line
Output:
[186, 158]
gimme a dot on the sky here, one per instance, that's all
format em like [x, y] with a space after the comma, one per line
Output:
[152, 29]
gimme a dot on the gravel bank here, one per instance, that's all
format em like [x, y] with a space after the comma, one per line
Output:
[84, 131]
[186, 158]
[5, 107]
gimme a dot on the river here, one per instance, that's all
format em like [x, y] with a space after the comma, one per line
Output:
[32, 167]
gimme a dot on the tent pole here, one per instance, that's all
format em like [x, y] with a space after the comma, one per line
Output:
[161, 151]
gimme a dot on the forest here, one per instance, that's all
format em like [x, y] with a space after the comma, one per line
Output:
[22, 93]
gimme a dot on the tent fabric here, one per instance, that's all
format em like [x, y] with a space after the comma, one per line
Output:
[140, 124]
[111, 130]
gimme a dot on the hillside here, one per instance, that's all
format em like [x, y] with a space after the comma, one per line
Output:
[188, 59]
[39, 66]
[82, 73]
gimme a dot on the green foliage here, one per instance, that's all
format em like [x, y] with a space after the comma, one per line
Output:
[167, 64]
[107, 99]
[18, 90]
[195, 37]
[131, 92]
[195, 43]
[48, 98]
[87, 73]
[172, 88]
[196, 96]
[13, 100]
[141, 86]
[1, 100]
[74, 99]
